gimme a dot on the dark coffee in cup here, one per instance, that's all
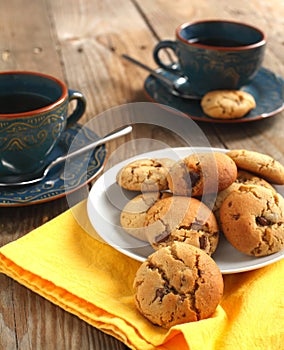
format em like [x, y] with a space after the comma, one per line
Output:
[22, 102]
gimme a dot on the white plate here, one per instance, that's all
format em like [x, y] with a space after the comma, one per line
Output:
[106, 200]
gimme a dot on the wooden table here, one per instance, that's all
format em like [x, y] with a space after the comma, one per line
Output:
[81, 43]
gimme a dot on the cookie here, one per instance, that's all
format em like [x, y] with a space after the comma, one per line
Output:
[202, 173]
[181, 219]
[214, 202]
[260, 164]
[145, 175]
[177, 284]
[132, 216]
[243, 178]
[252, 219]
[248, 178]
[227, 104]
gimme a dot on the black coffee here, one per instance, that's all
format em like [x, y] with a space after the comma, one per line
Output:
[216, 42]
[22, 102]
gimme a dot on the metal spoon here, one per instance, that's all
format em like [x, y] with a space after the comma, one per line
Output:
[177, 87]
[20, 180]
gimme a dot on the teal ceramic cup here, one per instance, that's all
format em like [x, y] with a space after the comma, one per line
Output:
[215, 54]
[33, 115]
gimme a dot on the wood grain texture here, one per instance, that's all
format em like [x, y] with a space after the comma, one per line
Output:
[27, 38]
[81, 42]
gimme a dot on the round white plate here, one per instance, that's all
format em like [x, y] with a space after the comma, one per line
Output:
[106, 200]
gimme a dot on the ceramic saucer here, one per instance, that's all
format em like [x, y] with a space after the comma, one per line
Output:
[266, 87]
[55, 185]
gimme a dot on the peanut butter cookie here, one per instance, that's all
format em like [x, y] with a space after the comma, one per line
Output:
[181, 219]
[202, 173]
[252, 219]
[177, 284]
[260, 164]
[145, 175]
[227, 104]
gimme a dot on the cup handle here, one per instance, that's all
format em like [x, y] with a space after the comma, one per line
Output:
[165, 44]
[79, 109]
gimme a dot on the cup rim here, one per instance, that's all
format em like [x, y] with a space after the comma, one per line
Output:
[222, 48]
[39, 110]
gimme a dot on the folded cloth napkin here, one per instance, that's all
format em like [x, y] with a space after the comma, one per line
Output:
[88, 278]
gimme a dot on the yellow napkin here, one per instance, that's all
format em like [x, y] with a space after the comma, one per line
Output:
[88, 278]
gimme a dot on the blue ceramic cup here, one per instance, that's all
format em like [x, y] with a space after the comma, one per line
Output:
[215, 54]
[33, 115]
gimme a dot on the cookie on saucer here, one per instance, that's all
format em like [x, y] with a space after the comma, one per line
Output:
[259, 163]
[202, 173]
[181, 219]
[252, 219]
[227, 104]
[145, 175]
[177, 284]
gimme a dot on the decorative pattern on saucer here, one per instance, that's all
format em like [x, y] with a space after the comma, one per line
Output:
[266, 87]
[84, 169]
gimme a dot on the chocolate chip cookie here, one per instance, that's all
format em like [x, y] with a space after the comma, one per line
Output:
[132, 217]
[227, 104]
[177, 284]
[252, 219]
[145, 175]
[260, 164]
[181, 219]
[202, 173]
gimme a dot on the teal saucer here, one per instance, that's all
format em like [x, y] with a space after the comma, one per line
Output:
[266, 87]
[56, 185]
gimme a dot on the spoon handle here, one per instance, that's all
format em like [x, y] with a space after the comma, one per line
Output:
[112, 136]
[167, 81]
[174, 87]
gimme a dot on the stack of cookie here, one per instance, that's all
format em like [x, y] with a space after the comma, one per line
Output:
[183, 208]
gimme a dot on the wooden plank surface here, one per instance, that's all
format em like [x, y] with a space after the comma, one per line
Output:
[81, 42]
